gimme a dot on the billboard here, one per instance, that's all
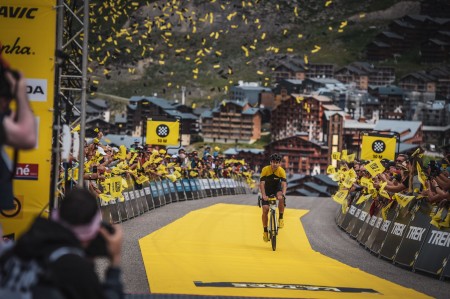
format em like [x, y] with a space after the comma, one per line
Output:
[28, 36]
[378, 147]
[163, 132]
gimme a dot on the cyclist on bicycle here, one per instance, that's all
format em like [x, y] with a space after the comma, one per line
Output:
[272, 183]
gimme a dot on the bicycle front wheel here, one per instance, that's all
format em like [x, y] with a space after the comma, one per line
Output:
[273, 230]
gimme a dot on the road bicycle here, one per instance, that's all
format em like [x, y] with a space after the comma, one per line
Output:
[272, 227]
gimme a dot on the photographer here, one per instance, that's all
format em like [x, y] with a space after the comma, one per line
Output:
[17, 128]
[77, 230]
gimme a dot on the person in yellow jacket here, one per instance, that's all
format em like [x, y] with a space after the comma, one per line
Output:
[273, 183]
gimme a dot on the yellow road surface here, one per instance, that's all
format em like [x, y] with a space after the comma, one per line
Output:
[219, 251]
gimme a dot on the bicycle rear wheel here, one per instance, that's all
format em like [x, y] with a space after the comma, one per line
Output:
[273, 230]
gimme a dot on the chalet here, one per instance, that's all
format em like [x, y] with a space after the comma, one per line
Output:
[285, 118]
[418, 81]
[364, 74]
[391, 101]
[249, 92]
[232, 122]
[434, 51]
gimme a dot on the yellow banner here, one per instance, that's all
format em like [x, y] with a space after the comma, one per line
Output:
[28, 36]
[378, 147]
[374, 168]
[163, 132]
[116, 186]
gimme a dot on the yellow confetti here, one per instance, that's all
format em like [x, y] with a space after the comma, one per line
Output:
[316, 49]
[328, 3]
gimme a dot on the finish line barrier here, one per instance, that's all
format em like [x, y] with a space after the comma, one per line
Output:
[404, 236]
[136, 199]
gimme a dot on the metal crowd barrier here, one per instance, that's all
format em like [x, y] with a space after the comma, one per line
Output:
[405, 237]
[138, 199]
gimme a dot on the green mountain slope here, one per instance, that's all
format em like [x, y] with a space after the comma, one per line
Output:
[155, 47]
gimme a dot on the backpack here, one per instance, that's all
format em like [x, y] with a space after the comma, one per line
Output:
[28, 279]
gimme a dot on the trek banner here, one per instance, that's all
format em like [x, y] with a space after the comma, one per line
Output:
[28, 38]
[378, 146]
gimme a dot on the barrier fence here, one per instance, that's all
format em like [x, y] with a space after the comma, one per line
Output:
[137, 199]
[403, 236]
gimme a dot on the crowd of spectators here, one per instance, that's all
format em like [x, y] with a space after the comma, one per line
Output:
[404, 181]
[145, 162]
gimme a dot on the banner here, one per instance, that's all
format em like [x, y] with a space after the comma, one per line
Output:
[377, 146]
[415, 236]
[396, 234]
[163, 132]
[28, 36]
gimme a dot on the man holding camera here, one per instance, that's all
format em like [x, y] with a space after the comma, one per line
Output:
[65, 246]
[17, 128]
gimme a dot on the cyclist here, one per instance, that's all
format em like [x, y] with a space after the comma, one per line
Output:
[272, 182]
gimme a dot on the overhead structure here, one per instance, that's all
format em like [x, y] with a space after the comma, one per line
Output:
[70, 87]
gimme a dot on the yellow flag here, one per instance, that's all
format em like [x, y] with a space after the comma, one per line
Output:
[421, 176]
[163, 132]
[385, 210]
[115, 186]
[402, 199]
[348, 181]
[105, 197]
[331, 169]
[351, 158]
[336, 156]
[141, 179]
[340, 196]
[344, 206]
[363, 198]
[377, 146]
[124, 184]
[123, 152]
[374, 168]
[366, 182]
[105, 185]
[344, 155]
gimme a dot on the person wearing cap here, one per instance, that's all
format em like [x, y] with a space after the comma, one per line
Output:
[135, 144]
[70, 234]
[206, 152]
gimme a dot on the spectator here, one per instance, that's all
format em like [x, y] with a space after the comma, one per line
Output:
[74, 229]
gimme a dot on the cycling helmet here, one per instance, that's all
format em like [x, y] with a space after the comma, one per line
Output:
[275, 157]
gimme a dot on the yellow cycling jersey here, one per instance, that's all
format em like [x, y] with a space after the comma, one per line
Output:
[272, 179]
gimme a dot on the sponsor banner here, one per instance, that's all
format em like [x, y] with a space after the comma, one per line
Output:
[361, 215]
[377, 147]
[179, 186]
[379, 229]
[414, 236]
[27, 171]
[28, 36]
[435, 251]
[385, 227]
[368, 224]
[278, 286]
[163, 132]
[396, 233]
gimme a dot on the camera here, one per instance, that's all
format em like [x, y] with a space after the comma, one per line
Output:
[5, 88]
[98, 246]
[433, 169]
